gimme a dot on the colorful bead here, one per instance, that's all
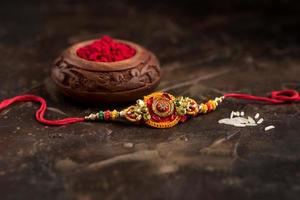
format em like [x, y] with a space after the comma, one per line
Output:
[213, 104]
[91, 117]
[107, 115]
[204, 108]
[147, 117]
[114, 114]
[100, 115]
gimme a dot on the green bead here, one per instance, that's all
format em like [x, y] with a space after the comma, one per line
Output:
[101, 115]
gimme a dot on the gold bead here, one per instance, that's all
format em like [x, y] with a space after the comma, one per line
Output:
[204, 108]
[137, 111]
[147, 117]
[114, 114]
[144, 109]
[138, 117]
[181, 110]
[213, 104]
[140, 103]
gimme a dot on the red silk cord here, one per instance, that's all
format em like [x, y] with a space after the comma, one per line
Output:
[276, 97]
[39, 115]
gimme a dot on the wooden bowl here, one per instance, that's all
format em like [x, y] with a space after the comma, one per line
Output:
[118, 81]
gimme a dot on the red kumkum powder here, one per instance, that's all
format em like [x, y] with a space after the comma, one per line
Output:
[106, 50]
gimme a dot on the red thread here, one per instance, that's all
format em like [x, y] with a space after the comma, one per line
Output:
[106, 50]
[276, 97]
[39, 115]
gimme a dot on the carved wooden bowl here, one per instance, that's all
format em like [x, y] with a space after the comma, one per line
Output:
[118, 81]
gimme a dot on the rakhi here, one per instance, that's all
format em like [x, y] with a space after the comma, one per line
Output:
[158, 110]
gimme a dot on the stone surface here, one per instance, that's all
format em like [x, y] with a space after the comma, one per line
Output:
[205, 51]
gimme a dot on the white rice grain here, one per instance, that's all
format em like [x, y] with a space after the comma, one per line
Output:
[260, 120]
[231, 114]
[269, 127]
[256, 116]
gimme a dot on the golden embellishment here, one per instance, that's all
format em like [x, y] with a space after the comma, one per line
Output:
[114, 114]
[162, 106]
[186, 105]
[163, 124]
[131, 115]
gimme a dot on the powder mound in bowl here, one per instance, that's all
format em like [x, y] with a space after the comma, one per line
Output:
[106, 50]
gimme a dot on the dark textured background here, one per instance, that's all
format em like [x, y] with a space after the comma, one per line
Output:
[206, 48]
